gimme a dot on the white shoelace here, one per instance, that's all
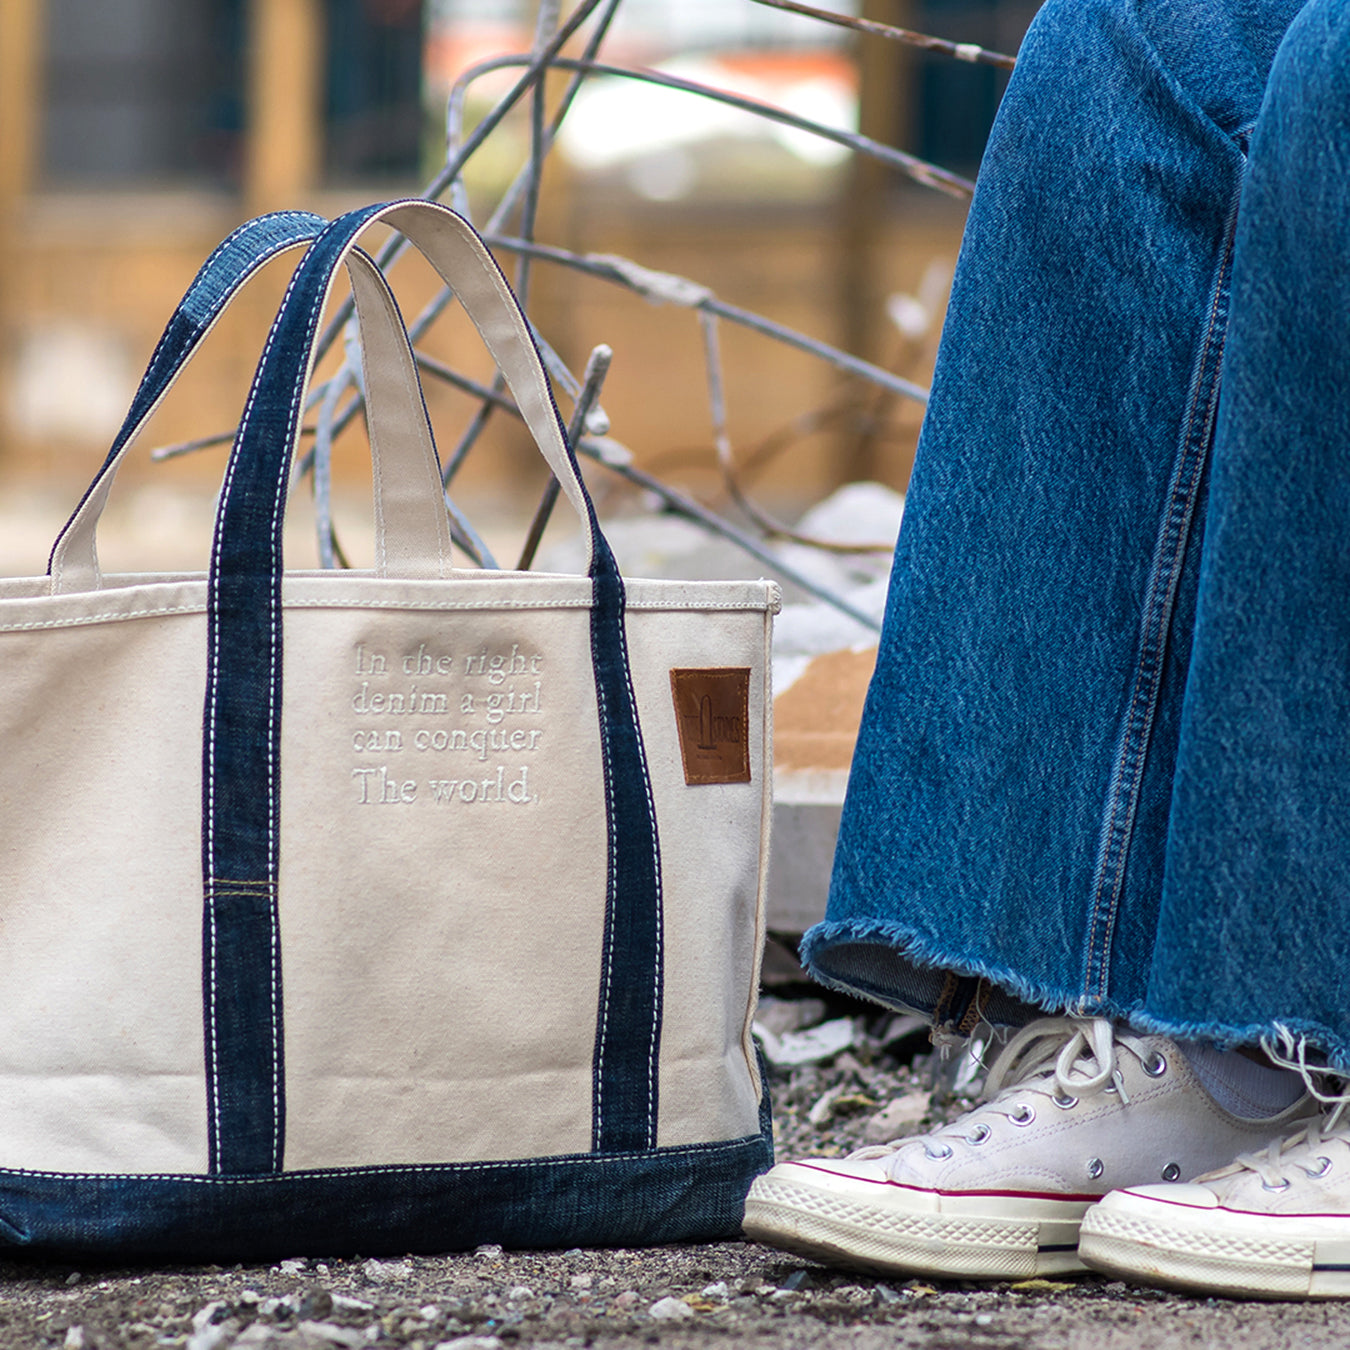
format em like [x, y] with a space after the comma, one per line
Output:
[1063, 1058]
[1275, 1164]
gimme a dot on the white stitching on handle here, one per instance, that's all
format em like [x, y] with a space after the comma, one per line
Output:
[612, 845]
[660, 911]
[213, 677]
[206, 323]
[274, 626]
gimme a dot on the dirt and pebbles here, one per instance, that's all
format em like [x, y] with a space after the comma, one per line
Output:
[860, 1076]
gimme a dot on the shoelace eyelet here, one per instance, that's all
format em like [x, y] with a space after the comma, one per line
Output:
[1024, 1114]
[1172, 1172]
[1156, 1064]
[1095, 1167]
[979, 1134]
[1321, 1171]
[1066, 1102]
[939, 1152]
[1282, 1185]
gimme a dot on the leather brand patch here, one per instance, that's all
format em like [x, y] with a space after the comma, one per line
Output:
[712, 710]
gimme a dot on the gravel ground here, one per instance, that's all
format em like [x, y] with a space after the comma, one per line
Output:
[875, 1076]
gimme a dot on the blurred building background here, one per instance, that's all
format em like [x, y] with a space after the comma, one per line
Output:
[137, 133]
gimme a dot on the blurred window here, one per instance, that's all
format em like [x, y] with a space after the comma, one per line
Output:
[141, 91]
[954, 102]
[374, 83]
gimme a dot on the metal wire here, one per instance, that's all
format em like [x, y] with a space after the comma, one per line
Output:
[589, 22]
[959, 51]
[662, 287]
[596, 370]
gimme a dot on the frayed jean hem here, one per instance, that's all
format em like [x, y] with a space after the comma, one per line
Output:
[889, 964]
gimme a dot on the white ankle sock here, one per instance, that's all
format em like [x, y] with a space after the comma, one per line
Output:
[1249, 1090]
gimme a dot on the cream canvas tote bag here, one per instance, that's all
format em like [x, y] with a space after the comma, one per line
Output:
[395, 910]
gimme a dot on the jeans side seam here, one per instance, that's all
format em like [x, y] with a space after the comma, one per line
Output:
[1136, 734]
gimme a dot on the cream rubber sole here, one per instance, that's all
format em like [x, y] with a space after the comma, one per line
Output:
[886, 1227]
[1154, 1235]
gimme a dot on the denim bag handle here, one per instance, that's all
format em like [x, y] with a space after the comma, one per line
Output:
[242, 720]
[402, 510]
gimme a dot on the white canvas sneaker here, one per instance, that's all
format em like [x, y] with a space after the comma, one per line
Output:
[1274, 1224]
[1077, 1108]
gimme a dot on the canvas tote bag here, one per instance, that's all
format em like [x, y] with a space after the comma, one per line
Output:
[396, 910]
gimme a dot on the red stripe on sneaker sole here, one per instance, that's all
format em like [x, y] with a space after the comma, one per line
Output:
[1228, 1209]
[1087, 1197]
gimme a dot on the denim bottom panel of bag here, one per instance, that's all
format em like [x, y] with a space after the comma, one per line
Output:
[1105, 759]
[694, 1194]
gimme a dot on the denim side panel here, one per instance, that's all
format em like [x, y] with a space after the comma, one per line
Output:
[241, 751]
[241, 807]
[628, 1018]
[241, 994]
[692, 1194]
[1047, 470]
[1254, 912]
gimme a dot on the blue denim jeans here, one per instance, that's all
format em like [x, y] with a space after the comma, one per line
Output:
[1105, 759]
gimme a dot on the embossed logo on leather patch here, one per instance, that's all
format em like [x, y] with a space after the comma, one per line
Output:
[712, 709]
